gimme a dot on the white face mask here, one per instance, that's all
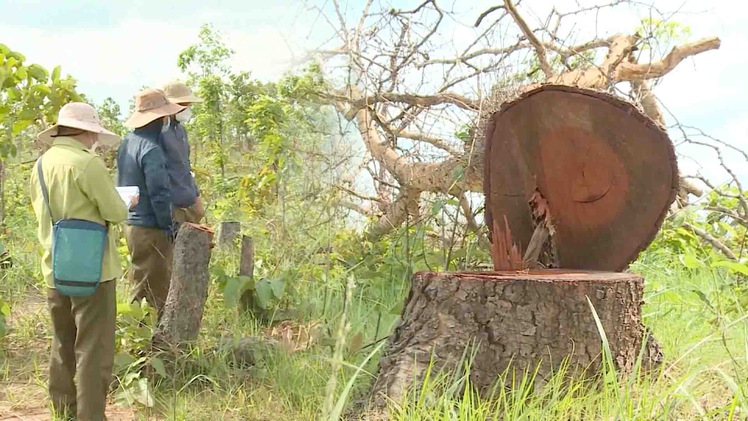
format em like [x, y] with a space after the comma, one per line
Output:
[185, 115]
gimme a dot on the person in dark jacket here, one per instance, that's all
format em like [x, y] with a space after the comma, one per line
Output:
[185, 196]
[149, 227]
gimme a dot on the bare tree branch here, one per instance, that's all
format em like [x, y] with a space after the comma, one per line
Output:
[711, 240]
[530, 35]
[393, 90]
[630, 71]
[397, 213]
[354, 207]
[434, 141]
[485, 14]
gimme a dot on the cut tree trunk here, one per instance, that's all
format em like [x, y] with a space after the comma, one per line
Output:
[517, 321]
[228, 234]
[183, 311]
[607, 172]
[247, 269]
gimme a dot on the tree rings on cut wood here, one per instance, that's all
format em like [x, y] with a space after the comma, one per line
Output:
[607, 171]
[513, 321]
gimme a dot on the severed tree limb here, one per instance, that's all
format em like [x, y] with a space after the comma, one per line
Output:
[648, 101]
[383, 107]
[631, 71]
[711, 240]
[432, 140]
[530, 35]
[397, 213]
[354, 207]
[564, 52]
[690, 188]
[411, 99]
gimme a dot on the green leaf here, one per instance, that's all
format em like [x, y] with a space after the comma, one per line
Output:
[731, 266]
[458, 173]
[44, 89]
[437, 207]
[278, 286]
[704, 299]
[38, 72]
[14, 94]
[22, 73]
[158, 365]
[235, 287]
[56, 74]
[264, 291]
[141, 391]
[20, 125]
[690, 261]
[123, 360]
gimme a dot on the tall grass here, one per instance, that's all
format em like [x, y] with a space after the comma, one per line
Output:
[696, 315]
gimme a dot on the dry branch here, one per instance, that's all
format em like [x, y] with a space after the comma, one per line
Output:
[711, 240]
[530, 35]
[386, 101]
[418, 100]
[630, 71]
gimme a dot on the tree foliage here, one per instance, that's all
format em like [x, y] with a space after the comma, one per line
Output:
[29, 95]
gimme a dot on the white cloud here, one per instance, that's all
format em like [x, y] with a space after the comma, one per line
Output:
[706, 91]
[118, 60]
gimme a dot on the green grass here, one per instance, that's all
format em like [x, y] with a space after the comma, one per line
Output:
[695, 315]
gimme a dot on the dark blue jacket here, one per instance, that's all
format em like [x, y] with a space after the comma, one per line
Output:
[184, 191]
[141, 162]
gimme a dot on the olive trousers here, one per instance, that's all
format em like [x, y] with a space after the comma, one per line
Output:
[82, 357]
[151, 252]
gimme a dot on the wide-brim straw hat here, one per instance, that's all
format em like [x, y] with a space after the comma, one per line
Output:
[79, 115]
[179, 93]
[151, 104]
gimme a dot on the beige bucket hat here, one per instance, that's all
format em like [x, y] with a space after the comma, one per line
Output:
[151, 104]
[179, 93]
[79, 115]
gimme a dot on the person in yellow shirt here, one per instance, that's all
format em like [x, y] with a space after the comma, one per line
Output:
[79, 187]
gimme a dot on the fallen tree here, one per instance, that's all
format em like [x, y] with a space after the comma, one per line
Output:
[407, 98]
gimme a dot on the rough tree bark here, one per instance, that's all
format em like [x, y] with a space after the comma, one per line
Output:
[228, 233]
[247, 268]
[516, 321]
[183, 312]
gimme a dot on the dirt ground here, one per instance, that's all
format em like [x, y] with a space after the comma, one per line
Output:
[42, 414]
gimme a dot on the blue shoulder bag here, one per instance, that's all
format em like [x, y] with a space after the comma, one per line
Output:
[77, 251]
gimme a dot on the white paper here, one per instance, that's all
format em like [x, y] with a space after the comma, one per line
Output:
[127, 192]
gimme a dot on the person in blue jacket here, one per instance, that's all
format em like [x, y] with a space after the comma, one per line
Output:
[185, 196]
[149, 229]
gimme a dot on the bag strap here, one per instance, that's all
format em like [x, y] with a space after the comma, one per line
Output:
[45, 193]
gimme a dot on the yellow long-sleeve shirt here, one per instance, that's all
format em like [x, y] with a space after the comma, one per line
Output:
[79, 187]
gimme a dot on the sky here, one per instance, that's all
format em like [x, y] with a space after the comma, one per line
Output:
[114, 47]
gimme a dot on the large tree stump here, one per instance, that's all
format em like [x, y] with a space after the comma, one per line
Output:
[518, 321]
[183, 311]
